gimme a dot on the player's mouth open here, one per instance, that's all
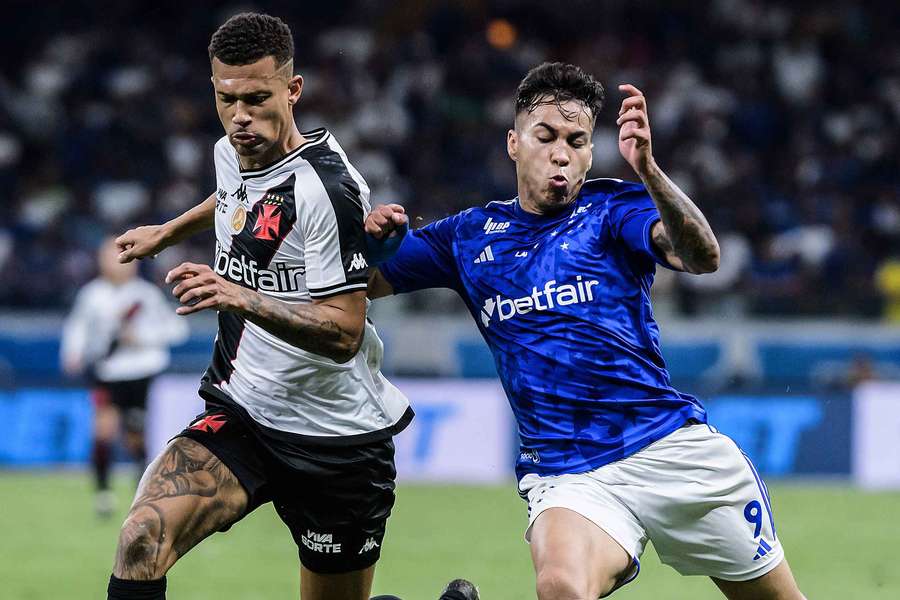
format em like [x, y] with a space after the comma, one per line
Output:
[559, 181]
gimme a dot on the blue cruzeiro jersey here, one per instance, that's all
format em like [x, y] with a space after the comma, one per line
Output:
[563, 302]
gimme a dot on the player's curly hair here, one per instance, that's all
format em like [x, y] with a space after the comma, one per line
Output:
[556, 83]
[248, 37]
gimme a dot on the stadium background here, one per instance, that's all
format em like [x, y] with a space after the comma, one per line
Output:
[779, 118]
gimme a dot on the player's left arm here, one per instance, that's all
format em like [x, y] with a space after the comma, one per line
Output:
[331, 327]
[683, 234]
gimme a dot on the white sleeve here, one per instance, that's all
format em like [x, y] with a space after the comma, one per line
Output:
[331, 222]
[76, 330]
[161, 326]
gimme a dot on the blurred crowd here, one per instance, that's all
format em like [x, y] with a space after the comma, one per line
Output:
[780, 119]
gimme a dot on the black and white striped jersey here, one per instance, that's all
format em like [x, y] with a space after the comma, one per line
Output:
[294, 232]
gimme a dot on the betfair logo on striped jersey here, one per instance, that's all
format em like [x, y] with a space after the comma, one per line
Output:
[491, 226]
[487, 255]
[278, 277]
[358, 262]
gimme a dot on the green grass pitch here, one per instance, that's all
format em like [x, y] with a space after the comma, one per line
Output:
[840, 543]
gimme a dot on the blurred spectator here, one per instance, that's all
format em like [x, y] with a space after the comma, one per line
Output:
[118, 336]
[779, 118]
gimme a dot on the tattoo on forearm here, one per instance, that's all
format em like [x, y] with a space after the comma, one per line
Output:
[687, 233]
[301, 325]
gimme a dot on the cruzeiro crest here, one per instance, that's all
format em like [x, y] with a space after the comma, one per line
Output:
[269, 218]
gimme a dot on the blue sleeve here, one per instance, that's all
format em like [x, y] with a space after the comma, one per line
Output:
[632, 215]
[425, 259]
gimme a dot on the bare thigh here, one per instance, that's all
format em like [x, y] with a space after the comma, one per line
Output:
[574, 559]
[354, 585]
[185, 495]
[777, 584]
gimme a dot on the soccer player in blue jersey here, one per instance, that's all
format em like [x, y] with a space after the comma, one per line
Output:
[558, 280]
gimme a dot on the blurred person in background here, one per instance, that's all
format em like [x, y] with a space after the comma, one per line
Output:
[118, 336]
[558, 281]
[415, 97]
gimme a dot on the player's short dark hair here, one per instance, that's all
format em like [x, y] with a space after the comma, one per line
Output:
[248, 37]
[556, 83]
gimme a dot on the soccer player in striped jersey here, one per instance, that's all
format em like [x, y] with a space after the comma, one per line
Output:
[298, 412]
[558, 281]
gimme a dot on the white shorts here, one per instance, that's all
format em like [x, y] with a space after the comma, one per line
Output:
[694, 494]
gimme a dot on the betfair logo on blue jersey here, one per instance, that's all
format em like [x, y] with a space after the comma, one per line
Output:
[540, 299]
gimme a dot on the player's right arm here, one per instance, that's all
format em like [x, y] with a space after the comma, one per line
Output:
[150, 240]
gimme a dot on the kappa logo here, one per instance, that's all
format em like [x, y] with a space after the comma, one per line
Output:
[490, 226]
[358, 262]
[569, 293]
[320, 542]
[240, 194]
[487, 255]
[370, 545]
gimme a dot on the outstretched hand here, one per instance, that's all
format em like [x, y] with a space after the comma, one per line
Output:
[140, 242]
[634, 130]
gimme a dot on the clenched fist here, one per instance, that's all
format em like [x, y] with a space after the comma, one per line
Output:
[385, 219]
[141, 242]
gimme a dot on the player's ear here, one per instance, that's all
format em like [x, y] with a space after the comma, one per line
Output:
[295, 89]
[512, 144]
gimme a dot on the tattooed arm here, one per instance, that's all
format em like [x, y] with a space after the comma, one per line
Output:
[682, 234]
[331, 327]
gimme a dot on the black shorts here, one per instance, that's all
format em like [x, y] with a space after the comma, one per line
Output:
[128, 396]
[335, 500]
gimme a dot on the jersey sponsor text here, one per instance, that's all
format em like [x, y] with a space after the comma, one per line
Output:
[280, 278]
[564, 295]
[320, 542]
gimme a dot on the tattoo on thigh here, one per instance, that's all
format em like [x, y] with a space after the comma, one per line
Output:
[186, 469]
[187, 495]
[137, 555]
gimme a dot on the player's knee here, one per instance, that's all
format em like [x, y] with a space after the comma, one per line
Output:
[560, 583]
[141, 553]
